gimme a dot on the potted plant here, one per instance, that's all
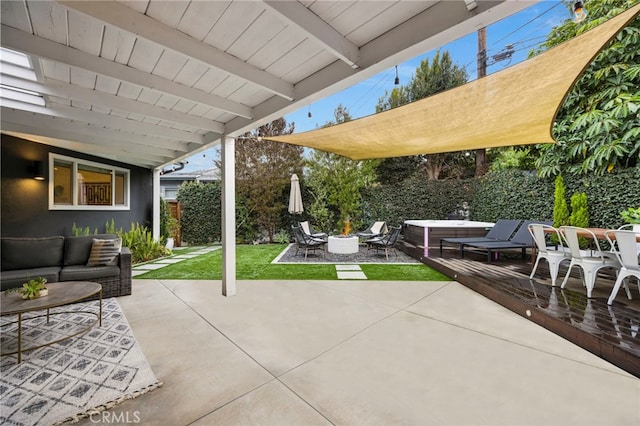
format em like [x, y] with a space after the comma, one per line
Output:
[632, 216]
[33, 289]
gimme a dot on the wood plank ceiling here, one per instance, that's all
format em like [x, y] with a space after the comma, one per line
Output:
[151, 82]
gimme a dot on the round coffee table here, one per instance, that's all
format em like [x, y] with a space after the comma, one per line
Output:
[62, 293]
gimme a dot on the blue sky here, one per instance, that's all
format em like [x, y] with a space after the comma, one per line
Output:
[523, 31]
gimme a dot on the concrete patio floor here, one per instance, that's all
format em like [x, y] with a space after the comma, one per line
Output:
[361, 353]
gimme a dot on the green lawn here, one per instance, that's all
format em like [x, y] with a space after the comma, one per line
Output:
[253, 262]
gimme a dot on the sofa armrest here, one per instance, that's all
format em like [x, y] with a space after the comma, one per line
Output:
[124, 262]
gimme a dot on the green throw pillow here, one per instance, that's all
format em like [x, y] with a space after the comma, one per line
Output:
[104, 252]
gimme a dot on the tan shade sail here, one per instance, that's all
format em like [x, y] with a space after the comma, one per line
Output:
[516, 106]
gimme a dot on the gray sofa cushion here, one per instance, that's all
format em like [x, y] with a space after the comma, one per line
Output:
[11, 279]
[87, 273]
[78, 249]
[27, 253]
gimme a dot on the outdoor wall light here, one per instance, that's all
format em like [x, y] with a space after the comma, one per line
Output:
[580, 13]
[37, 170]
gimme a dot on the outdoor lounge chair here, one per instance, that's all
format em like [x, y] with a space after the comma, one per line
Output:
[307, 243]
[308, 229]
[521, 240]
[377, 229]
[501, 231]
[386, 242]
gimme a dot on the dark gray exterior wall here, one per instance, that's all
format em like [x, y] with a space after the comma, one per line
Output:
[24, 209]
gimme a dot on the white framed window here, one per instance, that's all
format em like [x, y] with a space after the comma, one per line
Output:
[76, 184]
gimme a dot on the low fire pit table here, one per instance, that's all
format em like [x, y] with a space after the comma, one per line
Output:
[339, 244]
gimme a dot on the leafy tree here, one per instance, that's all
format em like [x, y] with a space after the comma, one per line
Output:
[579, 210]
[435, 77]
[397, 169]
[598, 126]
[431, 77]
[323, 217]
[337, 180]
[263, 177]
[580, 215]
[560, 208]
[399, 96]
[511, 157]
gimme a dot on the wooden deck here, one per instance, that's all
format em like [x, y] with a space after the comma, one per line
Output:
[610, 332]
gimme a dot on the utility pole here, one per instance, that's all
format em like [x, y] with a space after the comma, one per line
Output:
[482, 52]
[481, 154]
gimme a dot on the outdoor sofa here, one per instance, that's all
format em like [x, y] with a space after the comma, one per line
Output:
[61, 259]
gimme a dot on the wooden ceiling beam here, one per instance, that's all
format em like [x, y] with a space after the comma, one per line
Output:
[68, 91]
[107, 121]
[294, 13]
[90, 132]
[123, 17]
[47, 49]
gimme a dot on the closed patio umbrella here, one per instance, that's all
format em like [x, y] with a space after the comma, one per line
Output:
[295, 197]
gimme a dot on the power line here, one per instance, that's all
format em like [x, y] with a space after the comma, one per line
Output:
[527, 23]
[378, 84]
[503, 54]
[509, 49]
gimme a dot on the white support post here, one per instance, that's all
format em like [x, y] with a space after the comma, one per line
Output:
[228, 217]
[155, 232]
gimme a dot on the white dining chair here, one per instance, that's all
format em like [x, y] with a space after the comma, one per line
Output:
[632, 227]
[590, 262]
[625, 247]
[554, 255]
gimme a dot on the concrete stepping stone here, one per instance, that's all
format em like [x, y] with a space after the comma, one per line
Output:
[209, 249]
[348, 268]
[169, 261]
[149, 266]
[350, 272]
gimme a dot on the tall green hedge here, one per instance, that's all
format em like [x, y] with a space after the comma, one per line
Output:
[201, 218]
[607, 195]
[508, 194]
[416, 198]
[513, 194]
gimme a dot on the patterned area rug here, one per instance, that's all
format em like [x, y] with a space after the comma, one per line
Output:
[75, 378]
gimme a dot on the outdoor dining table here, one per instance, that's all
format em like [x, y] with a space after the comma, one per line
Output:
[600, 233]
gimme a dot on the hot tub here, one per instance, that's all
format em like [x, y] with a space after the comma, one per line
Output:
[427, 233]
